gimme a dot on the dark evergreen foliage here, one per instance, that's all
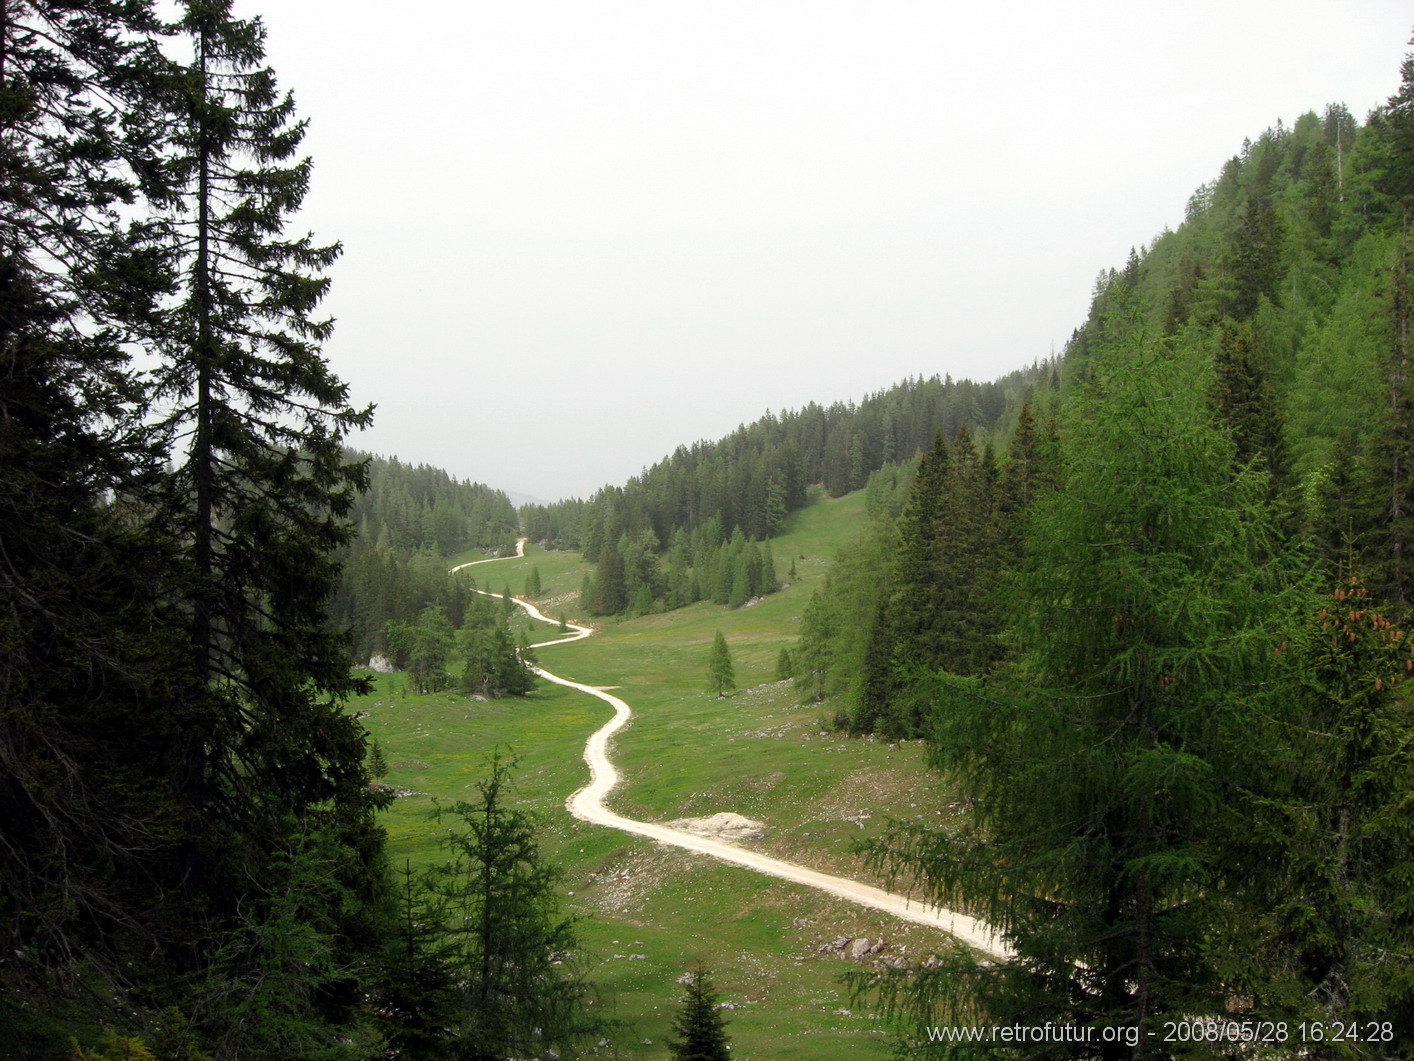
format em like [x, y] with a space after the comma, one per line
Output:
[479, 646]
[84, 639]
[181, 784]
[1175, 805]
[557, 526]
[1324, 926]
[699, 1032]
[410, 520]
[1154, 586]
[259, 499]
[935, 599]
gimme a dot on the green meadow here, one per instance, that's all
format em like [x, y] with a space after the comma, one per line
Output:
[648, 912]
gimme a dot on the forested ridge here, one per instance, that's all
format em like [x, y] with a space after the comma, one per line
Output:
[408, 521]
[679, 532]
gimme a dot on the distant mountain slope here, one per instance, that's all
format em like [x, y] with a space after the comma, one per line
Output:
[410, 519]
[758, 474]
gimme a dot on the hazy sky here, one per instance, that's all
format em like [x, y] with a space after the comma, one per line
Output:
[580, 232]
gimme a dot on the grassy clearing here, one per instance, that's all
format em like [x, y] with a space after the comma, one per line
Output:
[650, 911]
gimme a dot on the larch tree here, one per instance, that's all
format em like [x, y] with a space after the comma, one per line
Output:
[511, 956]
[721, 678]
[1154, 588]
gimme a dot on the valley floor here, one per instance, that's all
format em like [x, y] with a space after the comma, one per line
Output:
[777, 948]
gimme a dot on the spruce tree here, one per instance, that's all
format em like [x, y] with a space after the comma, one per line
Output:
[1338, 511]
[415, 993]
[377, 761]
[917, 557]
[875, 702]
[785, 665]
[85, 629]
[1393, 127]
[769, 583]
[699, 1032]
[260, 491]
[610, 587]
[1321, 858]
[961, 636]
[1030, 471]
[1243, 399]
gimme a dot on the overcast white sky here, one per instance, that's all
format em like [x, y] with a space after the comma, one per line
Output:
[580, 232]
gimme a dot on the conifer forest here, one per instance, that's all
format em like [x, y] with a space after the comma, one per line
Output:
[1147, 604]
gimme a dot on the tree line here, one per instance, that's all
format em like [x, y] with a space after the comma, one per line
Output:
[745, 485]
[635, 577]
[1156, 642]
[409, 521]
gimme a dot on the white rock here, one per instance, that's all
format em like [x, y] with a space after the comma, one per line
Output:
[724, 826]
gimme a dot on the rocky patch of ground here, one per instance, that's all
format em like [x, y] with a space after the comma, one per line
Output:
[724, 825]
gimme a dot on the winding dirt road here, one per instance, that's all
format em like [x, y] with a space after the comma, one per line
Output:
[588, 805]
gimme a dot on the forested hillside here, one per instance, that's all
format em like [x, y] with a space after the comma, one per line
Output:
[409, 520]
[666, 537]
[1156, 643]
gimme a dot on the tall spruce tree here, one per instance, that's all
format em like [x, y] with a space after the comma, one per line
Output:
[906, 641]
[260, 490]
[962, 637]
